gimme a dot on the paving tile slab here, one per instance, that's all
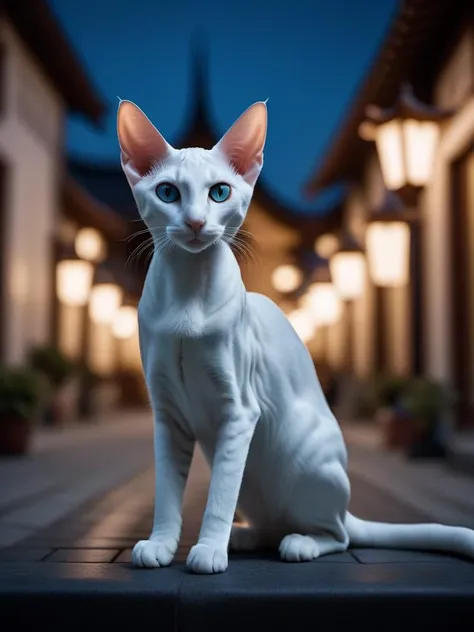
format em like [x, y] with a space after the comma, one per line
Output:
[389, 556]
[24, 554]
[83, 555]
[253, 591]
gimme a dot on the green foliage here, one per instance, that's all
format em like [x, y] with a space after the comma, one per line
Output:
[426, 399]
[54, 364]
[22, 391]
[389, 389]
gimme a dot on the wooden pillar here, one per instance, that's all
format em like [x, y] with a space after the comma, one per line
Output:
[349, 332]
[416, 302]
[380, 332]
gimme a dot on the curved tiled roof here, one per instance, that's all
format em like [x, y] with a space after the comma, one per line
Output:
[40, 30]
[415, 46]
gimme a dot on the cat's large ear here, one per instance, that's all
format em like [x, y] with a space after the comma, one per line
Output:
[243, 143]
[141, 144]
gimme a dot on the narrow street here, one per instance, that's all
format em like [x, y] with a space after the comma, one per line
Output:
[89, 491]
[73, 562]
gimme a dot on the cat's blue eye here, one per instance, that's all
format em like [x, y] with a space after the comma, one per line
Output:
[167, 192]
[220, 192]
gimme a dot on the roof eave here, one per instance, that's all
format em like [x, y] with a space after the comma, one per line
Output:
[42, 33]
[393, 63]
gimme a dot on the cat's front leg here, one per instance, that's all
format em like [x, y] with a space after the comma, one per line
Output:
[209, 555]
[173, 455]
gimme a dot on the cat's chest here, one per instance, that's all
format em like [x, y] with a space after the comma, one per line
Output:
[187, 373]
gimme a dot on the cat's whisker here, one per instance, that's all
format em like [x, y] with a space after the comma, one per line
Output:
[164, 246]
[243, 242]
[152, 230]
[137, 234]
[168, 246]
[151, 250]
[132, 254]
[149, 255]
[236, 230]
[135, 254]
[159, 247]
[254, 250]
[240, 248]
[249, 254]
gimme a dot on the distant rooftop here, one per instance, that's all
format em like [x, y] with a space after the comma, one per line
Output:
[42, 33]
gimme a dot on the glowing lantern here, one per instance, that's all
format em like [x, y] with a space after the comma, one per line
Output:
[287, 278]
[125, 322]
[325, 304]
[73, 281]
[347, 268]
[321, 300]
[388, 243]
[406, 137]
[105, 298]
[326, 245]
[388, 250]
[348, 273]
[90, 245]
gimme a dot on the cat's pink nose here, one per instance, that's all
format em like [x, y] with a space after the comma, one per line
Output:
[195, 224]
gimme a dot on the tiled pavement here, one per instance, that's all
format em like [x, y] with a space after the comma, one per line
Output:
[106, 529]
[68, 467]
[81, 565]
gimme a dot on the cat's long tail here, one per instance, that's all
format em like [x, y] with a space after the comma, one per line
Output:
[427, 537]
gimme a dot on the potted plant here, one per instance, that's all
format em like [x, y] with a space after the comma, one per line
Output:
[396, 425]
[427, 402]
[60, 371]
[22, 391]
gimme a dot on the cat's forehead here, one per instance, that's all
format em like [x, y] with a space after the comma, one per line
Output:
[193, 162]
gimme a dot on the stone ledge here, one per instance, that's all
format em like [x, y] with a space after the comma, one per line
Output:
[384, 593]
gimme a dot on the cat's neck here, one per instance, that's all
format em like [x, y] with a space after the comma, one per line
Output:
[191, 290]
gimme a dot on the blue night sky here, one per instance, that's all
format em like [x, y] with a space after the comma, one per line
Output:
[307, 56]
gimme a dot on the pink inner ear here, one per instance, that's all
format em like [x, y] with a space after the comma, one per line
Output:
[140, 141]
[243, 143]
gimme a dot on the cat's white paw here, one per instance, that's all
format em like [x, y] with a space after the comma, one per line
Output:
[298, 548]
[243, 538]
[207, 559]
[153, 553]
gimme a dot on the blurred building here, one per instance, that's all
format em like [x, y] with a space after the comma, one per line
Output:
[41, 80]
[416, 182]
[46, 287]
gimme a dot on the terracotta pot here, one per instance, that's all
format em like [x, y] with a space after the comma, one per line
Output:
[15, 435]
[399, 431]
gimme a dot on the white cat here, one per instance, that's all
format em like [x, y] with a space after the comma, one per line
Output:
[226, 369]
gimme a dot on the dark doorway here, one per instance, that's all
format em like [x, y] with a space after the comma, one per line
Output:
[462, 282]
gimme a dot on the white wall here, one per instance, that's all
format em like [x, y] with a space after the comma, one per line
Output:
[30, 144]
[454, 141]
[455, 84]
